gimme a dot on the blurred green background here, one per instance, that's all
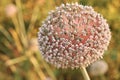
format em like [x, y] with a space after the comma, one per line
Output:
[20, 58]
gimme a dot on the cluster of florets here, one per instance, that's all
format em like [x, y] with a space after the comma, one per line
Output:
[73, 35]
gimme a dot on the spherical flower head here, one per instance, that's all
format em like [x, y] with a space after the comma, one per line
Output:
[10, 10]
[73, 36]
[98, 68]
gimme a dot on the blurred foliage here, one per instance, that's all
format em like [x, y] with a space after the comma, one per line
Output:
[20, 58]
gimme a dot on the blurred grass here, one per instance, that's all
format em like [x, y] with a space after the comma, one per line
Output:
[21, 60]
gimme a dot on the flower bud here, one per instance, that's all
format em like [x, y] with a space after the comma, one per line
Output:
[98, 68]
[10, 10]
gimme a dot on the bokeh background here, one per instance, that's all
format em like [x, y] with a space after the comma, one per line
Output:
[20, 58]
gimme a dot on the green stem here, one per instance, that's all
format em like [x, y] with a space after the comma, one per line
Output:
[85, 74]
[33, 20]
[21, 23]
[102, 77]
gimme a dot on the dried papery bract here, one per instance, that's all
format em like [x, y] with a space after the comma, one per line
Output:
[73, 36]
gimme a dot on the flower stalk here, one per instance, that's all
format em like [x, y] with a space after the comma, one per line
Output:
[85, 74]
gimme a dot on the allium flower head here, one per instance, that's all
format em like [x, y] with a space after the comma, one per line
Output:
[98, 68]
[73, 35]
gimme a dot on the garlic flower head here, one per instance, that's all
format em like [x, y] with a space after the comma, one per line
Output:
[73, 35]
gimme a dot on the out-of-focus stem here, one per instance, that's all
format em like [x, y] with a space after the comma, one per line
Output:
[102, 77]
[16, 39]
[33, 60]
[16, 60]
[49, 71]
[5, 33]
[21, 23]
[33, 19]
[5, 58]
[16, 24]
[36, 66]
[85, 74]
